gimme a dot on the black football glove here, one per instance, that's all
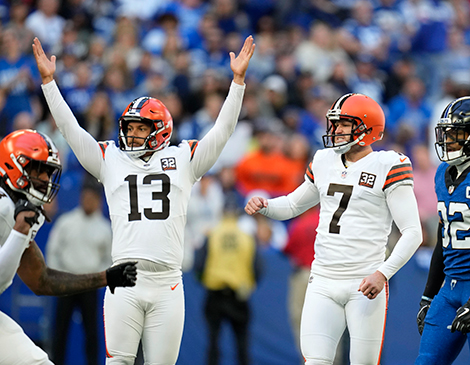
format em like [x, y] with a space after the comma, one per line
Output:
[23, 205]
[424, 304]
[461, 321]
[124, 274]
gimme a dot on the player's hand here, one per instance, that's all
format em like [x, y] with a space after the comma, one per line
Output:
[461, 321]
[26, 215]
[124, 274]
[45, 65]
[239, 64]
[255, 204]
[372, 285]
[423, 310]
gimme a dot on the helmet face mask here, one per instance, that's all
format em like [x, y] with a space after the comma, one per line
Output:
[30, 164]
[366, 116]
[453, 132]
[148, 111]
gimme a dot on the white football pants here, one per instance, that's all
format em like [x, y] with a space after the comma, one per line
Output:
[153, 311]
[331, 305]
[16, 348]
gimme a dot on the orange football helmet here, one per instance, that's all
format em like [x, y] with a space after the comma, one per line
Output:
[24, 156]
[153, 112]
[366, 115]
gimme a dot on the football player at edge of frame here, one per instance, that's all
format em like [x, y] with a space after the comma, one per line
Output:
[30, 171]
[147, 186]
[444, 315]
[360, 192]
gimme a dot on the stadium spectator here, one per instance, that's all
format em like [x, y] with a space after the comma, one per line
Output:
[79, 243]
[266, 167]
[229, 266]
[45, 22]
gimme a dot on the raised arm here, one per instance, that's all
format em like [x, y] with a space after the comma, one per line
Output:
[82, 143]
[210, 147]
[239, 64]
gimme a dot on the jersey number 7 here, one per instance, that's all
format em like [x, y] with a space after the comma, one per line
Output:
[346, 190]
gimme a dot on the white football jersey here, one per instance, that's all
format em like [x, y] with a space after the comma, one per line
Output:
[148, 202]
[7, 220]
[355, 221]
[7, 211]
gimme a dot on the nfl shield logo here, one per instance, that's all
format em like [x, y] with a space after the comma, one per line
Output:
[343, 174]
[451, 189]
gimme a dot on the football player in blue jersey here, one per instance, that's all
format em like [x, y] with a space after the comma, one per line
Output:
[444, 316]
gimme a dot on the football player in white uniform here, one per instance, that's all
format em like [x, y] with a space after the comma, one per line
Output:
[29, 177]
[360, 192]
[147, 185]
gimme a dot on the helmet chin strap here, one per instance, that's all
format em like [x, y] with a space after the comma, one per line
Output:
[136, 154]
[344, 148]
[456, 158]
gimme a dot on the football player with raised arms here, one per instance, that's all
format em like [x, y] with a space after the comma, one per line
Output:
[444, 316]
[29, 177]
[147, 185]
[360, 192]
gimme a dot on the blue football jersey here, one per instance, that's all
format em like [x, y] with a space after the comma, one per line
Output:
[454, 212]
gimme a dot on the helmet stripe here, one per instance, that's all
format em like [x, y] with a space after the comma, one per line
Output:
[136, 105]
[446, 111]
[339, 103]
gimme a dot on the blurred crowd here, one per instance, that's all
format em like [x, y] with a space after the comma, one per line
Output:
[411, 56]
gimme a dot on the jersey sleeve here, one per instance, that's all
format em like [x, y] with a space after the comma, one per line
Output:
[192, 146]
[208, 149]
[85, 147]
[404, 210]
[400, 173]
[10, 256]
[309, 174]
[291, 205]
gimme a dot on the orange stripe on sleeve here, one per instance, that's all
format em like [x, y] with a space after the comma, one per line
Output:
[397, 169]
[399, 177]
[309, 173]
[103, 147]
[398, 173]
[193, 145]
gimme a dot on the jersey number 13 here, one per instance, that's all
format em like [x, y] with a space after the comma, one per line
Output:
[162, 195]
